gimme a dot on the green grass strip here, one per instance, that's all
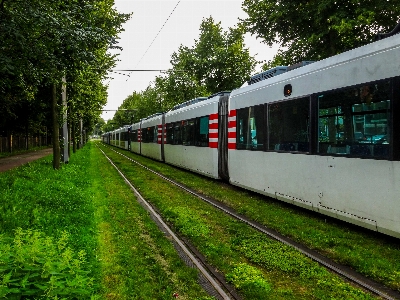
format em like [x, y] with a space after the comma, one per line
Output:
[79, 233]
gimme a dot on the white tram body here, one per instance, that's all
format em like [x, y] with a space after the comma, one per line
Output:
[151, 128]
[121, 137]
[324, 136]
[349, 179]
[113, 138]
[136, 138]
[191, 132]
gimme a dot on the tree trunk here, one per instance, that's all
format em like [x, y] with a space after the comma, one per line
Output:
[73, 136]
[56, 130]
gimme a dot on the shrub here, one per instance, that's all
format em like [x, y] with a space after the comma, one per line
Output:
[38, 266]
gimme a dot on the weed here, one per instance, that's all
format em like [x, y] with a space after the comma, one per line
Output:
[36, 265]
[249, 279]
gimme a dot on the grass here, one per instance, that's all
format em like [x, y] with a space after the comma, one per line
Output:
[373, 254]
[138, 261]
[257, 266]
[46, 228]
[78, 233]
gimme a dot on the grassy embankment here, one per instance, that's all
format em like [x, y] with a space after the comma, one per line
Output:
[79, 233]
[259, 267]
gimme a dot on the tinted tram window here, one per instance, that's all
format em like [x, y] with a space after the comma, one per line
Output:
[177, 134]
[201, 131]
[149, 135]
[288, 124]
[250, 128]
[355, 121]
[188, 132]
[170, 133]
[134, 136]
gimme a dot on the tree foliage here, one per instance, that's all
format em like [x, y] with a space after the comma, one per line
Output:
[313, 30]
[43, 41]
[218, 61]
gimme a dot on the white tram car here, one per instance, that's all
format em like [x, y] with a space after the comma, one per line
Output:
[324, 136]
[151, 128]
[191, 131]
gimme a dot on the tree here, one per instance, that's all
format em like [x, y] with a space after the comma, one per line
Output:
[313, 30]
[44, 40]
[218, 61]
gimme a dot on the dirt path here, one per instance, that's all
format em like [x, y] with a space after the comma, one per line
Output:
[14, 161]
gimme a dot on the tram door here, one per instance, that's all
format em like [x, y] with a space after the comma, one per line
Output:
[223, 171]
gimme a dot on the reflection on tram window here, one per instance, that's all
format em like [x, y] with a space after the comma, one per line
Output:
[170, 133]
[355, 121]
[149, 135]
[289, 125]
[188, 132]
[250, 128]
[134, 136]
[192, 132]
[202, 131]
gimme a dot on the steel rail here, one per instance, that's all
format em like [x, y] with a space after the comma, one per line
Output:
[180, 243]
[348, 274]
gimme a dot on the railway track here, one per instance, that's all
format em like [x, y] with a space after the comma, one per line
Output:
[208, 279]
[345, 272]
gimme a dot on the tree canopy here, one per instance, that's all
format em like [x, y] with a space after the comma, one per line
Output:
[313, 30]
[218, 61]
[43, 41]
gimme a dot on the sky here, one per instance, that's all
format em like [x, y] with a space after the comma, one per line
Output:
[156, 30]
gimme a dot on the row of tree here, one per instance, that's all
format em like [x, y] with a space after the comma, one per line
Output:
[44, 41]
[218, 61]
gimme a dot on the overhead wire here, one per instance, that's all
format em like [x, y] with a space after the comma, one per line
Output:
[158, 33]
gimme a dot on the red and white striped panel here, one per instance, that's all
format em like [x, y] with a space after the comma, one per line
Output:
[139, 135]
[232, 130]
[213, 131]
[159, 134]
[163, 137]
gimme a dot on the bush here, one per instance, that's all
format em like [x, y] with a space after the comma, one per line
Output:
[36, 265]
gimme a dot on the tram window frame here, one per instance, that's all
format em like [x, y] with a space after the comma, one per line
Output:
[283, 134]
[177, 133]
[149, 135]
[202, 131]
[124, 136]
[188, 132]
[169, 133]
[250, 125]
[134, 135]
[356, 121]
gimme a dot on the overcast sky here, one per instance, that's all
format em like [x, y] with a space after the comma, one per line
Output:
[182, 28]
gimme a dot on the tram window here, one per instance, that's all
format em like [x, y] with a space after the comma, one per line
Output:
[170, 133]
[188, 133]
[124, 136]
[250, 128]
[355, 121]
[177, 134]
[134, 136]
[288, 125]
[201, 131]
[149, 135]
